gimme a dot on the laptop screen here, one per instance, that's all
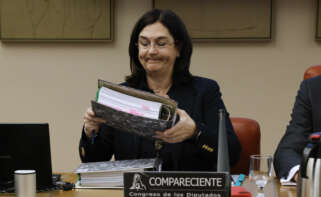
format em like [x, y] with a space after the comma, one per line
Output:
[25, 147]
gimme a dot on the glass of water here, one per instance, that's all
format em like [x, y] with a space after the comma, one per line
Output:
[260, 170]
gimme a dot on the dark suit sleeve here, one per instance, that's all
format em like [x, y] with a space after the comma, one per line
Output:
[101, 149]
[207, 142]
[289, 150]
[213, 102]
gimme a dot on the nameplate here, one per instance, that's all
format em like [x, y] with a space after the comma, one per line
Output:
[176, 184]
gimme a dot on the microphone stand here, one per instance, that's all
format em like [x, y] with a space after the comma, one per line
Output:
[223, 163]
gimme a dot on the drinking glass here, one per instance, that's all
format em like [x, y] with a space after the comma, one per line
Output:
[260, 170]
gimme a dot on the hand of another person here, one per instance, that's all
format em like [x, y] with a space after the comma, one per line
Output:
[184, 129]
[91, 122]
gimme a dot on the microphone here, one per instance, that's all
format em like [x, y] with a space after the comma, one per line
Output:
[223, 163]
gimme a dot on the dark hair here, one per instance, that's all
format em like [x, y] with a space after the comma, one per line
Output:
[182, 40]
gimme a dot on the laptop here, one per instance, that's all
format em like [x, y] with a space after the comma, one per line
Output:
[24, 147]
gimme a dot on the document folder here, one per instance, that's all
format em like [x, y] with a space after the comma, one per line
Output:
[133, 123]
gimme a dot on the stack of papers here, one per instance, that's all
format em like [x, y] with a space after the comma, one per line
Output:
[109, 174]
[129, 104]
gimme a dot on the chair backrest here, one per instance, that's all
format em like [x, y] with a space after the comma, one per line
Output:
[312, 71]
[249, 135]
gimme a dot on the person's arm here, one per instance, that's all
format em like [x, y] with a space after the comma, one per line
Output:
[292, 176]
[200, 135]
[99, 150]
[289, 151]
[207, 140]
[96, 142]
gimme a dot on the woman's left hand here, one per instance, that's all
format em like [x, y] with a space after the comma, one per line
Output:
[184, 129]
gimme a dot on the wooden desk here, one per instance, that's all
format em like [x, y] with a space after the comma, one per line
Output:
[272, 189]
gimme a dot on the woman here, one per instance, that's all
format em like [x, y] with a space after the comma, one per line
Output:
[160, 50]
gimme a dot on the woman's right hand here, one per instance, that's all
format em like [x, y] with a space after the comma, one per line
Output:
[91, 122]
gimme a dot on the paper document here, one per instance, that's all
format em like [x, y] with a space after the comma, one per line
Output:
[129, 104]
[108, 174]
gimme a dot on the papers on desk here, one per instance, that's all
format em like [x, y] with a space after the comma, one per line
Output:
[109, 174]
[79, 186]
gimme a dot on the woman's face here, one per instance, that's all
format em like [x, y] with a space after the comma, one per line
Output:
[157, 50]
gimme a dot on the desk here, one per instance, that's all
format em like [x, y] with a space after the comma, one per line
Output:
[272, 189]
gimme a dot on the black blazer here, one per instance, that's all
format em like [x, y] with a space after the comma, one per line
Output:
[201, 99]
[306, 119]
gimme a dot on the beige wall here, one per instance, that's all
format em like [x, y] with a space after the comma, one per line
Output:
[54, 82]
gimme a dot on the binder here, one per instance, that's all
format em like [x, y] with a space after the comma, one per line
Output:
[109, 174]
[132, 123]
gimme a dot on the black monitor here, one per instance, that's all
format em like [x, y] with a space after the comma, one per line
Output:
[24, 147]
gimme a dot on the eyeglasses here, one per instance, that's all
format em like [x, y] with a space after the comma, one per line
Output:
[159, 44]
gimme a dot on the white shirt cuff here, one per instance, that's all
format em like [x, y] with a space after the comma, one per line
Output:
[288, 180]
